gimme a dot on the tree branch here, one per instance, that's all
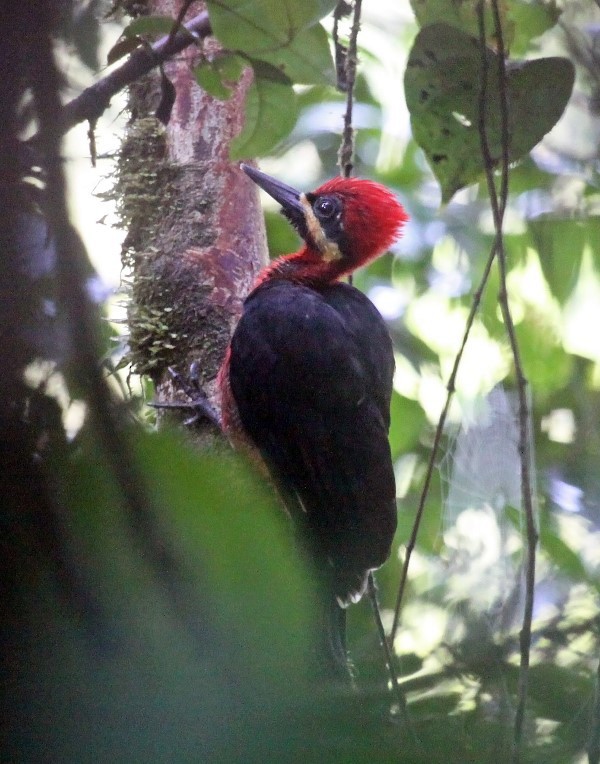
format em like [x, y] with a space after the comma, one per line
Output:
[93, 101]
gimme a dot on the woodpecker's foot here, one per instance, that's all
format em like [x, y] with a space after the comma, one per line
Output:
[198, 403]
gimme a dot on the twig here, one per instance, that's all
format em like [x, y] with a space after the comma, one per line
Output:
[389, 661]
[346, 153]
[498, 203]
[178, 22]
[340, 51]
[93, 101]
[345, 161]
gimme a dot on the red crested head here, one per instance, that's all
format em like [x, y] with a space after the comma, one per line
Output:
[371, 218]
[345, 223]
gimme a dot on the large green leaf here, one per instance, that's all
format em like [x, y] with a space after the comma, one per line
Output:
[442, 83]
[307, 59]
[282, 32]
[256, 24]
[175, 632]
[271, 112]
[230, 537]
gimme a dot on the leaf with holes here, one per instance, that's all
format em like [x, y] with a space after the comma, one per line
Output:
[284, 33]
[271, 112]
[442, 85]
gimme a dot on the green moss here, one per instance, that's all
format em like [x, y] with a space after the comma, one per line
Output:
[168, 211]
[144, 191]
[142, 184]
[165, 323]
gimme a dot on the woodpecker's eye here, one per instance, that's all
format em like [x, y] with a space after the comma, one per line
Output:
[326, 207]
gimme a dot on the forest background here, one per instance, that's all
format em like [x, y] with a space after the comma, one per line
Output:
[157, 609]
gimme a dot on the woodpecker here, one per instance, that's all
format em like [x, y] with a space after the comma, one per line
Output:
[307, 378]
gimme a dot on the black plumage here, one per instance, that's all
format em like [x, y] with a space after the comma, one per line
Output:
[311, 370]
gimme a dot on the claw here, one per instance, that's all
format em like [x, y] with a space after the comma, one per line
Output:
[198, 399]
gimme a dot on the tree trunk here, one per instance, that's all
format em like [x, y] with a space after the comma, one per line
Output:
[195, 237]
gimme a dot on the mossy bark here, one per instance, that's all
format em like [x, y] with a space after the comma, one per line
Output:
[195, 238]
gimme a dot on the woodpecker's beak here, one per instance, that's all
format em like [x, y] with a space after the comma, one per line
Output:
[287, 196]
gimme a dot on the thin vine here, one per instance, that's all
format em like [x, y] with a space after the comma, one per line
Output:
[498, 201]
[450, 388]
[346, 62]
[350, 59]
[498, 204]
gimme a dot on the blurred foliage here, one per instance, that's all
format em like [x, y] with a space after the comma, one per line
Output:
[123, 669]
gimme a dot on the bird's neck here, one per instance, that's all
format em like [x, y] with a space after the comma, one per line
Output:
[304, 267]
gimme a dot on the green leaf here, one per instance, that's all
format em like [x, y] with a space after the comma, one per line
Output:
[560, 245]
[122, 48]
[547, 365]
[560, 553]
[230, 66]
[264, 22]
[461, 14]
[210, 81]
[522, 20]
[442, 84]
[408, 420]
[151, 25]
[230, 537]
[281, 32]
[218, 77]
[307, 60]
[530, 20]
[271, 112]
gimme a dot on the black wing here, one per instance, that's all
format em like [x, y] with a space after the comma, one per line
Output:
[311, 374]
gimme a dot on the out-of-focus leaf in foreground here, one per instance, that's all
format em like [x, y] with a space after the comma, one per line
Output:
[187, 647]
